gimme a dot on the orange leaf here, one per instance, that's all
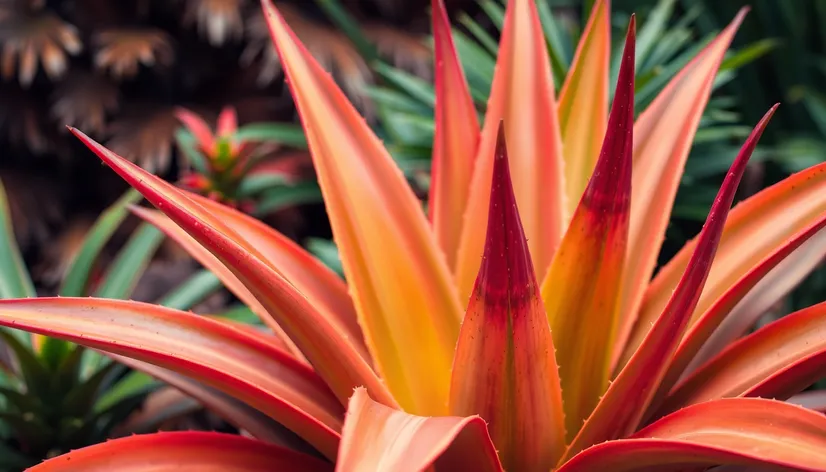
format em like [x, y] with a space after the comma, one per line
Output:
[781, 280]
[454, 141]
[397, 274]
[189, 450]
[581, 289]
[333, 355]
[199, 129]
[236, 362]
[663, 135]
[377, 438]
[777, 361]
[522, 95]
[205, 258]
[504, 369]
[740, 431]
[583, 102]
[705, 325]
[235, 412]
[621, 409]
[227, 122]
[758, 227]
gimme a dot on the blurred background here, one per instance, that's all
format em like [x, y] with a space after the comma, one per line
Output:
[151, 79]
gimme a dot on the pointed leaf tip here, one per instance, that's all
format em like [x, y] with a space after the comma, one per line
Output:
[622, 407]
[505, 330]
[506, 276]
[582, 287]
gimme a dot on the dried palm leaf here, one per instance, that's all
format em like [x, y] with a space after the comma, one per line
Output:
[332, 50]
[20, 120]
[144, 134]
[405, 50]
[36, 206]
[30, 37]
[218, 20]
[83, 100]
[122, 51]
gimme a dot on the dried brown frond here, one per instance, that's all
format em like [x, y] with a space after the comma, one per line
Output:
[122, 51]
[61, 250]
[405, 50]
[331, 49]
[83, 100]
[35, 204]
[20, 120]
[144, 135]
[28, 37]
[218, 20]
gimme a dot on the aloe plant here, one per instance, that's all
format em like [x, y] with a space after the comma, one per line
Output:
[539, 343]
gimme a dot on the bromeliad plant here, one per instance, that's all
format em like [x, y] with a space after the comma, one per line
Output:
[593, 366]
[230, 166]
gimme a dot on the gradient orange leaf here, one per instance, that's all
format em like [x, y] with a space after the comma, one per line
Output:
[583, 102]
[322, 287]
[224, 274]
[377, 439]
[243, 365]
[404, 295]
[504, 369]
[776, 361]
[227, 122]
[183, 450]
[581, 288]
[333, 355]
[621, 409]
[758, 226]
[663, 135]
[698, 333]
[779, 282]
[454, 140]
[522, 95]
[738, 431]
[235, 412]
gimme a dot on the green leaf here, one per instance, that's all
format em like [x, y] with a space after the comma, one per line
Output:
[77, 277]
[80, 400]
[327, 252]
[188, 146]
[559, 47]
[495, 11]
[288, 134]
[14, 278]
[482, 36]
[478, 66]
[134, 384]
[749, 54]
[409, 83]
[241, 314]
[339, 16]
[652, 29]
[192, 291]
[34, 372]
[288, 195]
[131, 262]
[255, 183]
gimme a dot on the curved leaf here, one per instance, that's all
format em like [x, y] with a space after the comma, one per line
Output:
[398, 276]
[758, 227]
[377, 438]
[776, 361]
[621, 409]
[455, 139]
[663, 135]
[332, 354]
[235, 412]
[739, 431]
[522, 96]
[190, 450]
[237, 362]
[582, 287]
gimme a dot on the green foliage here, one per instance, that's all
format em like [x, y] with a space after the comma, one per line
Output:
[54, 395]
